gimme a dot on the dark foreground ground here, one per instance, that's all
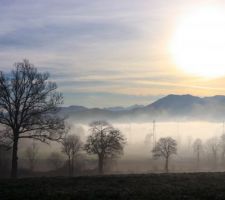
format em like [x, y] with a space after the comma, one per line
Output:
[152, 186]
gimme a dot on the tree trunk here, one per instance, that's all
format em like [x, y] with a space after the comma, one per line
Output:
[166, 165]
[14, 158]
[100, 164]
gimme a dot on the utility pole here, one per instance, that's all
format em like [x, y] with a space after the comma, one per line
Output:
[154, 133]
[178, 134]
[130, 133]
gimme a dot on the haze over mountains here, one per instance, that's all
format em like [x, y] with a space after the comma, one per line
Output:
[168, 108]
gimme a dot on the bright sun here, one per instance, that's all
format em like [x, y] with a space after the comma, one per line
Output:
[198, 44]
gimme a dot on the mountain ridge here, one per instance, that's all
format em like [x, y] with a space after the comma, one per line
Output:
[170, 107]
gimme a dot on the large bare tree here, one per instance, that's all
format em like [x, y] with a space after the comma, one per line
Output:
[71, 146]
[28, 106]
[104, 141]
[164, 148]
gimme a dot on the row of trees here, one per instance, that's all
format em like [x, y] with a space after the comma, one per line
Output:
[28, 110]
[29, 104]
[214, 147]
[104, 141]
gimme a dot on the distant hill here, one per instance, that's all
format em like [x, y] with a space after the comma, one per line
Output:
[171, 107]
[120, 108]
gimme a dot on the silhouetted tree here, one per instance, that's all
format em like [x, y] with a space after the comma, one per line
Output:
[104, 141]
[71, 146]
[198, 148]
[28, 106]
[55, 160]
[164, 148]
[212, 146]
[32, 155]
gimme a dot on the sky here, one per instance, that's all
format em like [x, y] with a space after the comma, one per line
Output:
[102, 53]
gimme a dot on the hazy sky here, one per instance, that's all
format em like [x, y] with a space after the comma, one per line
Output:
[102, 53]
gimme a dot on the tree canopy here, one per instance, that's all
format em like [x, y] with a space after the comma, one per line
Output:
[28, 107]
[104, 141]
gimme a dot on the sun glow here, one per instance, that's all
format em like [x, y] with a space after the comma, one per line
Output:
[198, 44]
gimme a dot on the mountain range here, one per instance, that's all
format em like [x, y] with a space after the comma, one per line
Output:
[168, 108]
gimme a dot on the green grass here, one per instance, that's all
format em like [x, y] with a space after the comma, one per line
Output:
[152, 186]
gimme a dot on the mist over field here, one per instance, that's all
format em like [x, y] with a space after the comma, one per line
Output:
[137, 156]
[194, 123]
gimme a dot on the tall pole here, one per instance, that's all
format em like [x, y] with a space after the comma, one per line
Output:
[178, 134]
[154, 133]
[130, 133]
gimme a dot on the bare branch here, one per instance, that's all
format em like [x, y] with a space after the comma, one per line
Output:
[28, 106]
[105, 141]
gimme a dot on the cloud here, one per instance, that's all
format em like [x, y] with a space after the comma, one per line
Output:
[106, 99]
[112, 48]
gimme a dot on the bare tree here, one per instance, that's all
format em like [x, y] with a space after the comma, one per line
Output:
[212, 146]
[28, 106]
[55, 159]
[104, 141]
[71, 146]
[164, 148]
[198, 149]
[32, 155]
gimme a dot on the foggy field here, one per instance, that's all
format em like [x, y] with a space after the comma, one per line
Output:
[150, 186]
[137, 157]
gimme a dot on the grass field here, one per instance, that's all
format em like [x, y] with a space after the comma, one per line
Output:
[152, 186]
